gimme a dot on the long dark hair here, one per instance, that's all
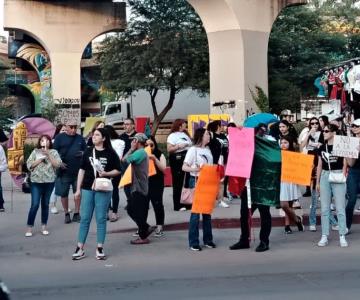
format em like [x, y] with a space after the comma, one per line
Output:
[213, 126]
[315, 118]
[112, 132]
[325, 119]
[106, 143]
[156, 151]
[290, 141]
[38, 145]
[198, 135]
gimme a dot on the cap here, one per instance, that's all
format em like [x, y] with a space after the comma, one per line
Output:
[309, 116]
[334, 117]
[71, 122]
[141, 137]
[286, 112]
[356, 122]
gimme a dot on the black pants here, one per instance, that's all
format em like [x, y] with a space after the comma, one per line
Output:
[265, 217]
[138, 206]
[156, 197]
[115, 194]
[176, 162]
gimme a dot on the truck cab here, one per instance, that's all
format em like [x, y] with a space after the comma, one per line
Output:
[116, 112]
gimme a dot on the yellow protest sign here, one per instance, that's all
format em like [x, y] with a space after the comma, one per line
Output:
[296, 167]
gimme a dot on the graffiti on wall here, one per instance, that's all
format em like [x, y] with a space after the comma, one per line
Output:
[68, 110]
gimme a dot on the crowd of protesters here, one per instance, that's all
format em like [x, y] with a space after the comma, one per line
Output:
[93, 168]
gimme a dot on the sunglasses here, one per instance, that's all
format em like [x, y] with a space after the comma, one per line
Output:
[354, 126]
[72, 126]
[314, 123]
[326, 131]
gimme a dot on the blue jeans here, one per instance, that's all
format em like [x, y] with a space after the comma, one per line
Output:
[352, 189]
[312, 214]
[90, 201]
[337, 190]
[40, 193]
[194, 229]
[1, 195]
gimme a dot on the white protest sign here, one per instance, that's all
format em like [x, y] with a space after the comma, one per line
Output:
[345, 146]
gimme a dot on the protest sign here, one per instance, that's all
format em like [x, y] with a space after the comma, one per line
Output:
[241, 152]
[346, 146]
[206, 190]
[152, 169]
[126, 179]
[296, 167]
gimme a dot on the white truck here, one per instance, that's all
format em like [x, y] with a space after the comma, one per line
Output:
[187, 102]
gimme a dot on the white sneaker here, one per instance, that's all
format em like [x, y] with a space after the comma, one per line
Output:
[312, 228]
[323, 241]
[78, 254]
[100, 255]
[357, 209]
[223, 204]
[335, 227]
[343, 242]
[54, 210]
[296, 204]
[182, 209]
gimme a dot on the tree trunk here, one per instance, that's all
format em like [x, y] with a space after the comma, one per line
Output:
[159, 117]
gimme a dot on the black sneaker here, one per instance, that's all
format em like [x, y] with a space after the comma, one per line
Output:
[78, 254]
[262, 247]
[100, 255]
[240, 245]
[195, 248]
[288, 230]
[2, 209]
[307, 194]
[67, 218]
[299, 224]
[76, 217]
[210, 245]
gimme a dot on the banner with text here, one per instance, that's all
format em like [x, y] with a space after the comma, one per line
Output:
[296, 167]
[346, 146]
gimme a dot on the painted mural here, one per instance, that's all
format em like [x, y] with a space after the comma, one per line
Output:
[16, 152]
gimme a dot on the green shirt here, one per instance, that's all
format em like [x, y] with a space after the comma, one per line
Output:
[43, 172]
[140, 169]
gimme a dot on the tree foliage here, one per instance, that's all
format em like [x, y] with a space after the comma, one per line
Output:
[163, 48]
[260, 98]
[306, 39]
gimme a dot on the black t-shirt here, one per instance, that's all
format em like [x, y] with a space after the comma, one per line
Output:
[336, 162]
[3, 137]
[108, 159]
[126, 138]
[219, 145]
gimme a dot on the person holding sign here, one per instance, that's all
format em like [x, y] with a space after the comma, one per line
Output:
[330, 183]
[156, 185]
[353, 179]
[289, 192]
[197, 156]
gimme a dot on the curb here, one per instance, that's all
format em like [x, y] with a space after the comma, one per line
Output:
[227, 223]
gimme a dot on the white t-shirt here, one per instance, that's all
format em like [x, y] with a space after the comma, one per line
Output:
[119, 146]
[177, 138]
[196, 157]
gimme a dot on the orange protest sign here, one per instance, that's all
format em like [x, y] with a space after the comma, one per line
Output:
[296, 167]
[126, 179]
[152, 169]
[206, 190]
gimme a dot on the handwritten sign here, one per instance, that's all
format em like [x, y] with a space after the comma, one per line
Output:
[346, 146]
[206, 190]
[241, 152]
[296, 167]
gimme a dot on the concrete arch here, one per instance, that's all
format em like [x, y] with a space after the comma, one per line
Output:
[238, 33]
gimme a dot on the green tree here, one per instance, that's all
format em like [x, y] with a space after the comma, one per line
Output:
[163, 48]
[304, 40]
[260, 98]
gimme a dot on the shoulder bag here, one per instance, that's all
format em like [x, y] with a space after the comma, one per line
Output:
[335, 177]
[100, 184]
[187, 192]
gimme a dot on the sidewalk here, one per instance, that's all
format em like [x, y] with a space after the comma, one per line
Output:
[17, 203]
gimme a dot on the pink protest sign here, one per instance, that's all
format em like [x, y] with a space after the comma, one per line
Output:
[241, 152]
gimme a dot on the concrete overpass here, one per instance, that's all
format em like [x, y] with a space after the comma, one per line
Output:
[237, 30]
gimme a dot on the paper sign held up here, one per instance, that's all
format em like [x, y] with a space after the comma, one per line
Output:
[152, 169]
[126, 179]
[206, 190]
[296, 167]
[241, 152]
[346, 146]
